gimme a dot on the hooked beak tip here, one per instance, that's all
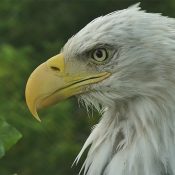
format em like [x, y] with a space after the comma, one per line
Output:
[35, 114]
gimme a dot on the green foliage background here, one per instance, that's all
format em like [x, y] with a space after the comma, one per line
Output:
[30, 32]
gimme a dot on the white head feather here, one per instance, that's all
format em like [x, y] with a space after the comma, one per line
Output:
[136, 135]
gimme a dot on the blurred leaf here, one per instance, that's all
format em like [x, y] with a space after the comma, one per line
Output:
[8, 136]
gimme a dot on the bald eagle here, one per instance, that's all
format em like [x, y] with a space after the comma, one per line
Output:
[123, 64]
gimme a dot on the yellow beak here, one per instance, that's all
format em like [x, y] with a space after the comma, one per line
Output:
[51, 82]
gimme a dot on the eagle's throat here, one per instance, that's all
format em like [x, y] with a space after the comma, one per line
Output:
[134, 139]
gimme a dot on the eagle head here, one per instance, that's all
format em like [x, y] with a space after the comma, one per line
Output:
[123, 62]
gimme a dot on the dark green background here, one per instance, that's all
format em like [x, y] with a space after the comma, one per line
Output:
[30, 32]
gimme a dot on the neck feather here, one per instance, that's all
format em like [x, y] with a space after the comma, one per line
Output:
[132, 139]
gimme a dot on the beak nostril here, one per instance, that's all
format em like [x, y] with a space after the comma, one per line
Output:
[56, 63]
[55, 68]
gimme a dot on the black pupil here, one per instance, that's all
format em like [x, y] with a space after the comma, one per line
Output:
[99, 53]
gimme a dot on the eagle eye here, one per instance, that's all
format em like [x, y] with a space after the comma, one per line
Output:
[99, 55]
